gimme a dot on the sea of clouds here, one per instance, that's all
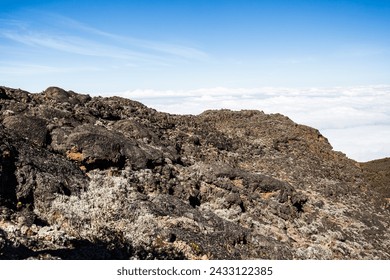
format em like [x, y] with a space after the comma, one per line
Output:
[356, 120]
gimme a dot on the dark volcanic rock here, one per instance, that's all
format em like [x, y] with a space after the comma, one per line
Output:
[109, 178]
[28, 127]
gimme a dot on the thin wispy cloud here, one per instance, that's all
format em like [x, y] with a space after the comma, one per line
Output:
[90, 41]
[38, 69]
[161, 47]
[76, 45]
[49, 45]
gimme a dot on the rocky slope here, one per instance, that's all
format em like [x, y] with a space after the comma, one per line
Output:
[377, 175]
[109, 178]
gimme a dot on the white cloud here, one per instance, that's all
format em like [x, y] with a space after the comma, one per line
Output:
[25, 69]
[356, 120]
[362, 143]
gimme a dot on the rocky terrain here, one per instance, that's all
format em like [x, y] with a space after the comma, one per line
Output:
[377, 174]
[109, 178]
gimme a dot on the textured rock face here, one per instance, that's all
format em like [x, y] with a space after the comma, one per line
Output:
[108, 178]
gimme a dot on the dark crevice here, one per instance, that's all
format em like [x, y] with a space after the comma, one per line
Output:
[194, 201]
[26, 200]
[104, 164]
[242, 207]
[64, 190]
[104, 116]
[82, 250]
[299, 206]
[48, 139]
[111, 118]
[39, 222]
[172, 238]
[299, 201]
[3, 94]
[150, 164]
[8, 181]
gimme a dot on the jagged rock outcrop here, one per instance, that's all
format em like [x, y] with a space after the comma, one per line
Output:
[109, 178]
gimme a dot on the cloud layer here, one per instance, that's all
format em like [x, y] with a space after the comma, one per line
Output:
[356, 120]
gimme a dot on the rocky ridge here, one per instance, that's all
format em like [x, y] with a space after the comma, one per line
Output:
[109, 178]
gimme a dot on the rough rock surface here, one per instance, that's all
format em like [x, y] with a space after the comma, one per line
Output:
[377, 174]
[109, 178]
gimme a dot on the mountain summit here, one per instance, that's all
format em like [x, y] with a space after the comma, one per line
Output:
[109, 178]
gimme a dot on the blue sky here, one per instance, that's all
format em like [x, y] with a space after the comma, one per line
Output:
[322, 63]
[104, 45]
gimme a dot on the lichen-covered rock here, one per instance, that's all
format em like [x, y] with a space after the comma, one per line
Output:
[109, 178]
